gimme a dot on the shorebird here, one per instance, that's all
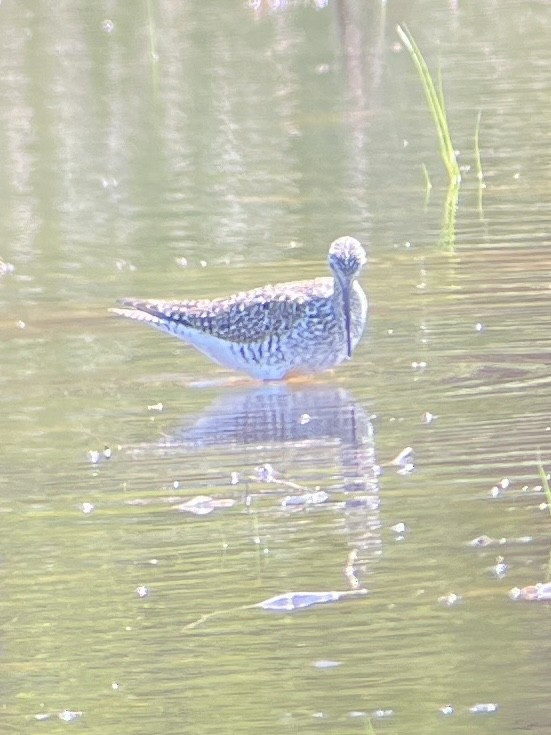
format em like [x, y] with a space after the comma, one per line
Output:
[272, 332]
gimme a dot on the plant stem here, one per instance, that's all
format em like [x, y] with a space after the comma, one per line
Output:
[436, 104]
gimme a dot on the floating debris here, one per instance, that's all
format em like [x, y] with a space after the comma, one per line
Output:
[399, 528]
[6, 269]
[326, 664]
[540, 592]
[350, 570]
[478, 709]
[68, 715]
[483, 541]
[155, 407]
[234, 478]
[450, 599]
[266, 473]
[501, 485]
[404, 461]
[142, 591]
[288, 602]
[93, 456]
[110, 182]
[428, 417]
[87, 508]
[447, 710]
[201, 505]
[297, 600]
[120, 264]
[314, 498]
[501, 568]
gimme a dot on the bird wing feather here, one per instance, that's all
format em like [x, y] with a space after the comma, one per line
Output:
[249, 316]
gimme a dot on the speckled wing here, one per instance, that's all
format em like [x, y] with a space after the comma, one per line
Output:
[245, 317]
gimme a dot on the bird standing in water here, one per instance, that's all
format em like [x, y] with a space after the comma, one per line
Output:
[272, 332]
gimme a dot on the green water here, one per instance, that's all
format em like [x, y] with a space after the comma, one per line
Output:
[188, 149]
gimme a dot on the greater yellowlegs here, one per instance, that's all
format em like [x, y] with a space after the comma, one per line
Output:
[272, 332]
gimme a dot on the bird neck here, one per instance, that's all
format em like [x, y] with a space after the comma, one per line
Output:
[338, 290]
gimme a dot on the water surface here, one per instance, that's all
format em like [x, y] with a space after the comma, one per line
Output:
[191, 150]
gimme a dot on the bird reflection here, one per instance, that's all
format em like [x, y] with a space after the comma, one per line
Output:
[280, 412]
[308, 432]
[275, 415]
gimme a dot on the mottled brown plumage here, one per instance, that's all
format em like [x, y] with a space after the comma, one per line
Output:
[272, 331]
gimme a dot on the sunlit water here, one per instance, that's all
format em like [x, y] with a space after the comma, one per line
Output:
[149, 501]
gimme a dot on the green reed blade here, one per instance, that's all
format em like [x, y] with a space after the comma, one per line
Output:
[436, 104]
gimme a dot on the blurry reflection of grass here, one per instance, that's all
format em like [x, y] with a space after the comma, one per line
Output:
[153, 55]
[547, 490]
[370, 730]
[545, 483]
[479, 171]
[428, 185]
